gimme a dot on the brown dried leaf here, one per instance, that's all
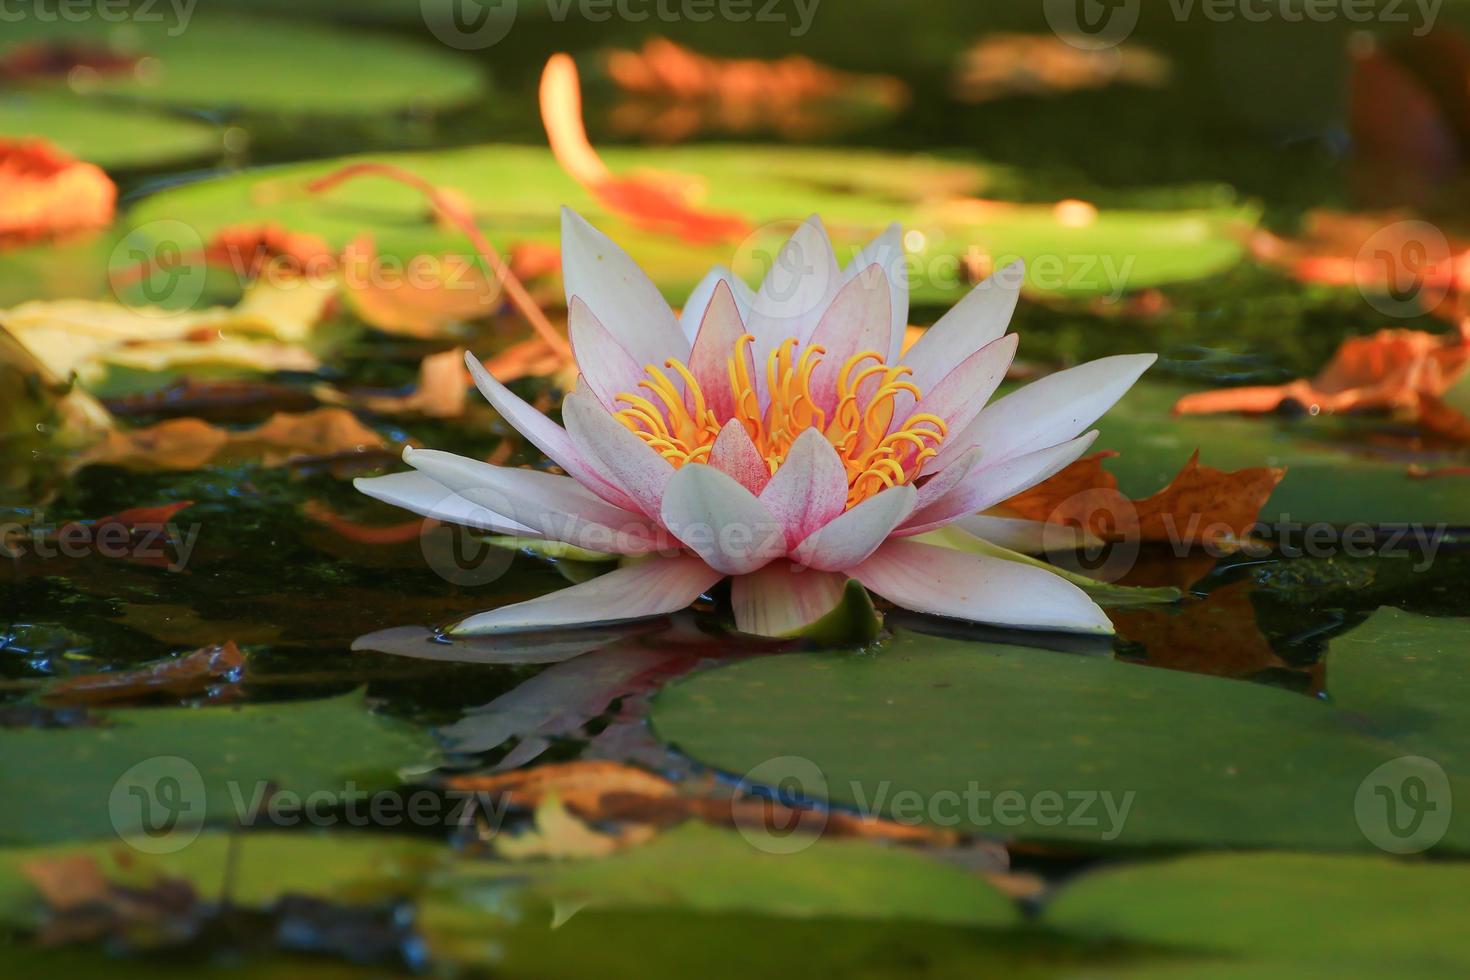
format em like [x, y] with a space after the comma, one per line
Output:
[419, 299]
[199, 672]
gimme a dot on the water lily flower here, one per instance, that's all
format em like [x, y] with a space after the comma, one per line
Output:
[780, 439]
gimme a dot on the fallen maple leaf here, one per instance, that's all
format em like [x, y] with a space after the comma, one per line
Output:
[250, 250]
[559, 835]
[189, 443]
[442, 391]
[1006, 64]
[84, 337]
[48, 194]
[647, 203]
[1405, 373]
[1200, 506]
[199, 672]
[673, 92]
[420, 300]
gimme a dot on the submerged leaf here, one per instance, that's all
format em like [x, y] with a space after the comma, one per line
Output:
[200, 672]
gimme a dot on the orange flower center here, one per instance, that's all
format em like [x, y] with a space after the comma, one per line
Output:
[683, 428]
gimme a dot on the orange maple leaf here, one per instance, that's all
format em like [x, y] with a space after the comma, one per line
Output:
[1403, 372]
[1200, 506]
[48, 194]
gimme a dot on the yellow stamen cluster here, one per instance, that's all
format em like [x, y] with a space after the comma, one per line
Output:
[683, 428]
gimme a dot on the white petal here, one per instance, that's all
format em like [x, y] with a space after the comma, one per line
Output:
[781, 598]
[988, 484]
[1046, 412]
[797, 289]
[808, 489]
[978, 319]
[1026, 536]
[545, 435]
[944, 582]
[886, 251]
[962, 393]
[654, 587]
[847, 540]
[721, 521]
[608, 369]
[637, 468]
[424, 495]
[555, 507]
[692, 314]
[623, 297]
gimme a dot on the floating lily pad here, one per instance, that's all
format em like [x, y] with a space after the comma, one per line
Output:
[517, 191]
[218, 61]
[1339, 471]
[699, 868]
[109, 136]
[185, 765]
[266, 866]
[1363, 914]
[1091, 750]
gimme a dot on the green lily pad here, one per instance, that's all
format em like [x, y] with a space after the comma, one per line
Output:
[266, 866]
[1039, 745]
[218, 61]
[517, 191]
[150, 768]
[1403, 919]
[109, 136]
[1339, 471]
[702, 869]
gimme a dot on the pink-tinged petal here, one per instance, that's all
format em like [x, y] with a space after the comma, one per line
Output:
[555, 507]
[797, 289]
[782, 598]
[886, 251]
[1025, 536]
[735, 455]
[962, 393]
[655, 587]
[713, 346]
[989, 483]
[847, 540]
[637, 468]
[978, 319]
[808, 489]
[428, 497]
[1052, 410]
[721, 521]
[545, 435]
[692, 314]
[623, 297]
[944, 582]
[607, 368]
[857, 320]
[941, 483]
